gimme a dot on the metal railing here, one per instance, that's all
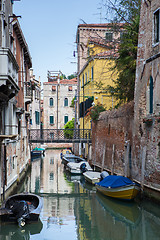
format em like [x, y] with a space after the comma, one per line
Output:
[59, 135]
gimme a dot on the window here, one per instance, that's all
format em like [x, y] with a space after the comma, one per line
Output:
[51, 119]
[52, 135]
[65, 119]
[92, 74]
[53, 88]
[109, 37]
[156, 26]
[85, 77]
[51, 176]
[51, 102]
[70, 88]
[51, 160]
[83, 80]
[37, 117]
[66, 102]
[151, 95]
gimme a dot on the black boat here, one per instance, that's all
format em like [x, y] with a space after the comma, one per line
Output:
[21, 208]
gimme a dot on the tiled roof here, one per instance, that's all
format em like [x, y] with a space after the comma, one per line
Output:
[100, 25]
[63, 81]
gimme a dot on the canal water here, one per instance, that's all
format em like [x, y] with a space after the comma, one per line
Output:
[72, 209]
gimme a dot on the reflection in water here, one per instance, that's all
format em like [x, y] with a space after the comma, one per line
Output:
[72, 209]
[13, 232]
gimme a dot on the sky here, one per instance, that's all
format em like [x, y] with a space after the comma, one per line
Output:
[49, 28]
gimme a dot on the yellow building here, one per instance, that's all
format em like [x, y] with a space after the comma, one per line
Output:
[94, 77]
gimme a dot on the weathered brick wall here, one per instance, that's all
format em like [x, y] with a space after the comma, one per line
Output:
[146, 136]
[110, 136]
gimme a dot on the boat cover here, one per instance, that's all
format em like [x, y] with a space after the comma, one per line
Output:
[38, 149]
[114, 181]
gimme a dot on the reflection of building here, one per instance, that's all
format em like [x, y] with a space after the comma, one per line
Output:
[57, 99]
[53, 180]
[36, 175]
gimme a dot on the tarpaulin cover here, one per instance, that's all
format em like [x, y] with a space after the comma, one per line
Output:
[114, 181]
[38, 149]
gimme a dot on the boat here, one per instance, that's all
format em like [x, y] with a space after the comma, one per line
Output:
[67, 158]
[118, 187]
[21, 208]
[65, 152]
[78, 168]
[94, 177]
[37, 152]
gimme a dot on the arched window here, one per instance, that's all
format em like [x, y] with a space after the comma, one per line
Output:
[66, 102]
[51, 102]
[151, 95]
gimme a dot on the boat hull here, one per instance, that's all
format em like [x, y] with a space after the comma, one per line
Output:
[92, 177]
[125, 192]
[34, 208]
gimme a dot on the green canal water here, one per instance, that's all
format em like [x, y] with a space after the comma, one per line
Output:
[72, 209]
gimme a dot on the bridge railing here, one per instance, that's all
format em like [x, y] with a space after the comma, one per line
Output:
[59, 135]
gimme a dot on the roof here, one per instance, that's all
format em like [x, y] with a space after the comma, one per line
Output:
[22, 41]
[63, 81]
[99, 25]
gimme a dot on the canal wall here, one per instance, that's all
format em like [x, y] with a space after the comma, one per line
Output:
[115, 148]
[111, 140]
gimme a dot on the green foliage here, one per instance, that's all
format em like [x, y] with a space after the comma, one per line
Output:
[95, 111]
[72, 102]
[69, 126]
[71, 76]
[63, 76]
[127, 11]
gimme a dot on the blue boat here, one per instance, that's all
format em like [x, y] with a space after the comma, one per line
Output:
[118, 187]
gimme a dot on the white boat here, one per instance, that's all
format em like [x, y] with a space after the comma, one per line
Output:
[78, 168]
[92, 177]
[67, 158]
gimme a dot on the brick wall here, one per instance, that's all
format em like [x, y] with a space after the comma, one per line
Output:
[111, 137]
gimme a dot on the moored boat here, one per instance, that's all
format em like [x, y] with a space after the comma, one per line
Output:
[21, 208]
[92, 177]
[78, 168]
[118, 187]
[67, 158]
[65, 152]
[37, 152]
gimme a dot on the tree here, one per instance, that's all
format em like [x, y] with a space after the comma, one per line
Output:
[71, 76]
[128, 12]
[94, 111]
[69, 128]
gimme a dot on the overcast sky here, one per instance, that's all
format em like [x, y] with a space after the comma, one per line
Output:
[50, 29]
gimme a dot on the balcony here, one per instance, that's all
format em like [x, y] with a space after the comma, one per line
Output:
[28, 93]
[8, 75]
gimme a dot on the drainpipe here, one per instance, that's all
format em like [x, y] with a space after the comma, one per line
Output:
[58, 81]
[4, 172]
